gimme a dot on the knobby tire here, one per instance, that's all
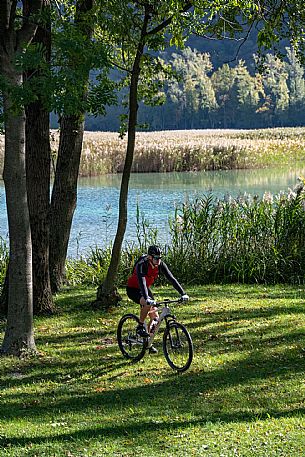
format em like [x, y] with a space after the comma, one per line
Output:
[131, 345]
[178, 347]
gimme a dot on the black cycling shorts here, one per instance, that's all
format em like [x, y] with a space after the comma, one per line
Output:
[135, 294]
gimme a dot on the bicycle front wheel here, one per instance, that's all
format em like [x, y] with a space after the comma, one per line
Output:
[177, 347]
[131, 345]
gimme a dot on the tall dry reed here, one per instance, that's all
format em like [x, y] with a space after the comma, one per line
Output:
[188, 150]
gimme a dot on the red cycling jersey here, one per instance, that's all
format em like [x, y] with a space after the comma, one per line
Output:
[144, 275]
[150, 276]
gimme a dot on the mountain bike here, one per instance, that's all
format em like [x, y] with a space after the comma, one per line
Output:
[177, 343]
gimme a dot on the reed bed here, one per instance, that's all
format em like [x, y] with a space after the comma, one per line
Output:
[188, 150]
[193, 150]
[246, 240]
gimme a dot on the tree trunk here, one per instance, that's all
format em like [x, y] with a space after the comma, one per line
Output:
[64, 192]
[64, 195]
[38, 162]
[38, 156]
[19, 335]
[107, 294]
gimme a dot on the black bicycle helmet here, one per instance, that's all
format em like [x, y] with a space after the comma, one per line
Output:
[154, 250]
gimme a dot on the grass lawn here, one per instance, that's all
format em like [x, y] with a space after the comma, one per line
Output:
[244, 394]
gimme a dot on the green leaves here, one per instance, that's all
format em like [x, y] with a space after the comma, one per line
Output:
[101, 93]
[151, 84]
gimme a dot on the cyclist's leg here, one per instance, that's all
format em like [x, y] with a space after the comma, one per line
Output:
[153, 311]
[145, 309]
[135, 295]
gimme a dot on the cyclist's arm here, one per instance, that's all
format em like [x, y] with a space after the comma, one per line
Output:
[168, 274]
[141, 270]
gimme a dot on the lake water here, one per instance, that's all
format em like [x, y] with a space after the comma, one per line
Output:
[157, 195]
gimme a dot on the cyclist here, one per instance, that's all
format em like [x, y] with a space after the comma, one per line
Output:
[145, 272]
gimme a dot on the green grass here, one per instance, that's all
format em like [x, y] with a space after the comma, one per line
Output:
[243, 395]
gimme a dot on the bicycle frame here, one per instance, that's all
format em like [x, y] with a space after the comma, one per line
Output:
[164, 315]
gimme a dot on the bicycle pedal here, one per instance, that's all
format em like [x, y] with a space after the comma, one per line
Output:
[152, 350]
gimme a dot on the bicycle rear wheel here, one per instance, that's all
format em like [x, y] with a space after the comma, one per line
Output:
[131, 345]
[177, 347]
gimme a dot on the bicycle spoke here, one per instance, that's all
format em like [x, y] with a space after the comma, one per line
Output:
[177, 347]
[131, 345]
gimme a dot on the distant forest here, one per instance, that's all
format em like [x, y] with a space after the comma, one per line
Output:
[219, 86]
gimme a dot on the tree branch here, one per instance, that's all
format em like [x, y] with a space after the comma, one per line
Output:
[28, 29]
[216, 38]
[120, 67]
[165, 23]
[244, 40]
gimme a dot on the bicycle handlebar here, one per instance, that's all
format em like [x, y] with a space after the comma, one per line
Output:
[167, 301]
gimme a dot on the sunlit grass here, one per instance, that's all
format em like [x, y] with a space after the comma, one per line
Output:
[243, 395]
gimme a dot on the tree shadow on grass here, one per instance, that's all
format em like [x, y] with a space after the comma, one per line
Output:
[198, 392]
[78, 337]
[66, 370]
[178, 392]
[141, 430]
[223, 318]
[216, 343]
[73, 359]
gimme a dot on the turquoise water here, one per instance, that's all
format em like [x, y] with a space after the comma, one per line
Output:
[158, 195]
